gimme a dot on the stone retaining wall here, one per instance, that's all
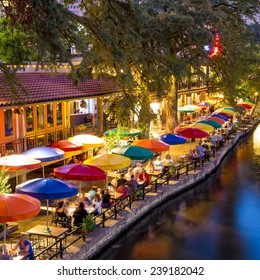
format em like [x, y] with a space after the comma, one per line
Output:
[98, 239]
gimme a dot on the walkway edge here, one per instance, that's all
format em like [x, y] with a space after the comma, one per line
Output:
[101, 237]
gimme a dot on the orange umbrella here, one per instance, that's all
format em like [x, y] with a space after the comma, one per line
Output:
[153, 145]
[16, 207]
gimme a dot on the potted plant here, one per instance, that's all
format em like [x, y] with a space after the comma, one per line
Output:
[88, 224]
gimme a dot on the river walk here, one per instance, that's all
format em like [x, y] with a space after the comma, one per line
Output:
[96, 240]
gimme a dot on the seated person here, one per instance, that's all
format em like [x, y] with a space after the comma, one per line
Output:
[84, 199]
[129, 173]
[137, 169]
[74, 160]
[121, 179]
[122, 188]
[91, 193]
[167, 161]
[158, 164]
[144, 177]
[132, 184]
[25, 247]
[79, 214]
[96, 203]
[149, 167]
[62, 209]
[106, 203]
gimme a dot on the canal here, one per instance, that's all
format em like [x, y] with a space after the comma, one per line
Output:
[218, 219]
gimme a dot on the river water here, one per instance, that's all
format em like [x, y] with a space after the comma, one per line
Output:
[218, 219]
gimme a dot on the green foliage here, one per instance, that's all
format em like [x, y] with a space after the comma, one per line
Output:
[88, 224]
[1, 227]
[4, 186]
[113, 139]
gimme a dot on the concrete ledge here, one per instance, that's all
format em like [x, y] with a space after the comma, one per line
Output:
[101, 237]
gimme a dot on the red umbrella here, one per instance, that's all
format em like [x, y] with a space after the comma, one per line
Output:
[80, 172]
[66, 145]
[16, 207]
[192, 132]
[153, 145]
[225, 115]
[219, 120]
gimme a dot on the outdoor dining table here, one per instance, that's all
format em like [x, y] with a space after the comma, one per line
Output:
[52, 232]
[115, 195]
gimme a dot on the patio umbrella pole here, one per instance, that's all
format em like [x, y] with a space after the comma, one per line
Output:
[43, 173]
[3, 248]
[47, 220]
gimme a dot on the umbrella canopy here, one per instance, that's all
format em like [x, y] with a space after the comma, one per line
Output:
[19, 162]
[45, 154]
[133, 152]
[123, 132]
[173, 139]
[215, 119]
[16, 207]
[88, 140]
[109, 161]
[66, 145]
[202, 126]
[203, 104]
[219, 116]
[212, 123]
[153, 145]
[229, 116]
[245, 105]
[80, 172]
[225, 110]
[184, 109]
[192, 132]
[47, 188]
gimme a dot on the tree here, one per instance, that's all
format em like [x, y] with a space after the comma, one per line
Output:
[4, 186]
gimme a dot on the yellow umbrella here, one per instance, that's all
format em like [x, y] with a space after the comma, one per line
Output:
[203, 126]
[225, 110]
[88, 140]
[108, 161]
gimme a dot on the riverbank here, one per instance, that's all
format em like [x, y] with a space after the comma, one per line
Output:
[101, 237]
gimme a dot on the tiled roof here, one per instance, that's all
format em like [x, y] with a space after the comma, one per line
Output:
[45, 87]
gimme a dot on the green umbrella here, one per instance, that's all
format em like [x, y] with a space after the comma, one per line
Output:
[133, 152]
[123, 131]
[212, 123]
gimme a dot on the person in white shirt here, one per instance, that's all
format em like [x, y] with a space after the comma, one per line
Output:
[158, 164]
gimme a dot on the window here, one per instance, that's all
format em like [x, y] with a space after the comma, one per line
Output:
[40, 117]
[8, 122]
[59, 113]
[50, 122]
[29, 119]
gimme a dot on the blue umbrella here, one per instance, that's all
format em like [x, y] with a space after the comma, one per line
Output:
[173, 139]
[220, 116]
[133, 152]
[45, 154]
[47, 188]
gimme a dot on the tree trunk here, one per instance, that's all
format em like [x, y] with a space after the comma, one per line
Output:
[100, 127]
[171, 107]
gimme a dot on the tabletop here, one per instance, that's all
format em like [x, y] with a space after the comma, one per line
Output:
[41, 230]
[115, 195]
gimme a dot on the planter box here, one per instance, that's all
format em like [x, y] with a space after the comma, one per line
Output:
[11, 227]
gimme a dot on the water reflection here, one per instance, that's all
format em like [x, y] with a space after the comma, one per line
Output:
[219, 219]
